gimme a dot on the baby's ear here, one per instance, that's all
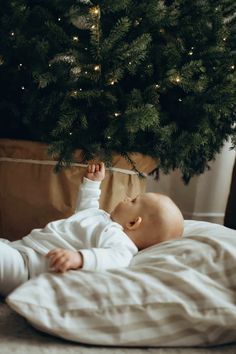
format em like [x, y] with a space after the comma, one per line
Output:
[134, 224]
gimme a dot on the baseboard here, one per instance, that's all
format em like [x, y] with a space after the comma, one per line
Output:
[217, 218]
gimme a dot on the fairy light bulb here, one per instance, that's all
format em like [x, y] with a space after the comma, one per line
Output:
[76, 39]
[97, 67]
[95, 10]
[177, 79]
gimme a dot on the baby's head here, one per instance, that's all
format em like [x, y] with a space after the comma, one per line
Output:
[149, 219]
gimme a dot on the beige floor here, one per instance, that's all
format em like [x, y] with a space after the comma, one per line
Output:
[18, 337]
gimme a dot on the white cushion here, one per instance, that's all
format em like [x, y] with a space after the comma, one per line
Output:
[179, 293]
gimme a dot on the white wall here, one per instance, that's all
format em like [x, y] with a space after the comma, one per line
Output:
[205, 197]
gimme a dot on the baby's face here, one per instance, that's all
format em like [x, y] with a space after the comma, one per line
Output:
[131, 208]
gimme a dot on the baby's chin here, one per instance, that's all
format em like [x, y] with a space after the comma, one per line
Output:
[113, 216]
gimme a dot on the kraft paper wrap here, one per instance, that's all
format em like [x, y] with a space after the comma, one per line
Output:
[32, 194]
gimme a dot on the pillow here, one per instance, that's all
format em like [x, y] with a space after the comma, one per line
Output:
[178, 293]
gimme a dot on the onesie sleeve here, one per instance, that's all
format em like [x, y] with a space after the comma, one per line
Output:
[88, 196]
[114, 250]
[97, 259]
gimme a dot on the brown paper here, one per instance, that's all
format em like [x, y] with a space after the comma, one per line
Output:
[32, 194]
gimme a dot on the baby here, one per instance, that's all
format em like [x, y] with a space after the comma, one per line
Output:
[91, 239]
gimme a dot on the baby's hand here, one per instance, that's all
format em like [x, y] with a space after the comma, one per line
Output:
[62, 260]
[96, 172]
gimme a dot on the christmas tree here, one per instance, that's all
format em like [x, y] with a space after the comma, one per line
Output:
[155, 77]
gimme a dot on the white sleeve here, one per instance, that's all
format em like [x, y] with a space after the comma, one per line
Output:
[105, 258]
[88, 196]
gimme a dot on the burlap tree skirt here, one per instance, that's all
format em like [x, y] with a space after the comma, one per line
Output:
[32, 194]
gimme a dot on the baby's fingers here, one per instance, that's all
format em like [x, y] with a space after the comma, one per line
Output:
[91, 168]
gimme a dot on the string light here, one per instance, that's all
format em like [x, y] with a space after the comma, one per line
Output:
[97, 68]
[157, 86]
[12, 34]
[109, 138]
[86, 72]
[130, 62]
[232, 67]
[180, 99]
[95, 10]
[190, 53]
[59, 19]
[177, 79]
[22, 87]
[112, 82]
[76, 39]
[117, 114]
[93, 27]
[224, 39]
[81, 89]
[70, 133]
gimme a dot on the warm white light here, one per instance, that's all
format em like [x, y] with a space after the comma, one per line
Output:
[232, 67]
[76, 39]
[97, 67]
[95, 11]
[59, 19]
[22, 87]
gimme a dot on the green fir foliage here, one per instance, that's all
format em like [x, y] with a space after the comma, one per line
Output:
[155, 77]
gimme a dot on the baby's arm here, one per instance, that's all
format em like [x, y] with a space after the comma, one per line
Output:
[89, 192]
[62, 260]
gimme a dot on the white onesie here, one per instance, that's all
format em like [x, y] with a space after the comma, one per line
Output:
[102, 242]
